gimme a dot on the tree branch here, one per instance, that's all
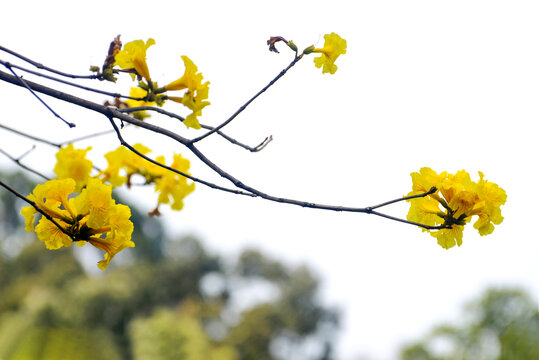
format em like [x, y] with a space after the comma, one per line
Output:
[25, 84]
[226, 122]
[46, 68]
[98, 91]
[257, 148]
[127, 145]
[38, 209]
[250, 191]
[18, 162]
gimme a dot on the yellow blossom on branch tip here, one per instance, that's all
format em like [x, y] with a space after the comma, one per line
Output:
[334, 46]
[453, 205]
[91, 216]
[133, 56]
[126, 161]
[172, 187]
[119, 236]
[196, 94]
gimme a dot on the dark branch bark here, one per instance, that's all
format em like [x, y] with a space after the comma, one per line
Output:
[250, 191]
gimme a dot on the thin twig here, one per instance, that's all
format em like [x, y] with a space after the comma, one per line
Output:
[18, 162]
[431, 191]
[115, 95]
[214, 186]
[58, 145]
[38, 209]
[257, 148]
[86, 137]
[25, 84]
[427, 227]
[249, 191]
[46, 68]
[226, 122]
[30, 136]
[151, 108]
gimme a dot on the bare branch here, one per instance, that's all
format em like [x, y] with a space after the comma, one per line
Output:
[18, 162]
[38, 209]
[30, 136]
[86, 137]
[102, 92]
[249, 191]
[25, 84]
[431, 191]
[214, 186]
[46, 68]
[176, 116]
[219, 127]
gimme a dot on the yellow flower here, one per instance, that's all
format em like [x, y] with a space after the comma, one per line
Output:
[72, 163]
[197, 92]
[115, 161]
[92, 216]
[49, 197]
[455, 202]
[123, 159]
[52, 198]
[137, 92]
[51, 235]
[493, 197]
[133, 56]
[174, 187]
[333, 47]
[119, 236]
[447, 238]
[96, 201]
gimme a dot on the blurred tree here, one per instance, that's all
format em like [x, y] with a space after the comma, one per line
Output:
[171, 300]
[503, 324]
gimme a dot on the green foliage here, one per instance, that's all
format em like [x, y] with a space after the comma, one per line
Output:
[178, 334]
[503, 324]
[172, 300]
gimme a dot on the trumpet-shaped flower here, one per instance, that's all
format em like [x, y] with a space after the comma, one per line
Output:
[72, 163]
[456, 200]
[196, 94]
[334, 46]
[129, 163]
[92, 216]
[133, 57]
[119, 236]
[172, 187]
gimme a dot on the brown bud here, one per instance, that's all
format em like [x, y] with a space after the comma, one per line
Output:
[274, 39]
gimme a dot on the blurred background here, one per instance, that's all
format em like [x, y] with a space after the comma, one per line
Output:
[175, 299]
[447, 85]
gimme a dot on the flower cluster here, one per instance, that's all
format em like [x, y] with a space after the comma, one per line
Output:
[132, 58]
[172, 187]
[456, 200]
[91, 216]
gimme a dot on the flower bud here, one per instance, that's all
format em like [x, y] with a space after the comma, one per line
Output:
[308, 50]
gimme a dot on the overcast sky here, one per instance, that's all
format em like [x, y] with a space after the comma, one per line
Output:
[449, 85]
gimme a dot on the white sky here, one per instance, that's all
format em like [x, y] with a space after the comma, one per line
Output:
[449, 85]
